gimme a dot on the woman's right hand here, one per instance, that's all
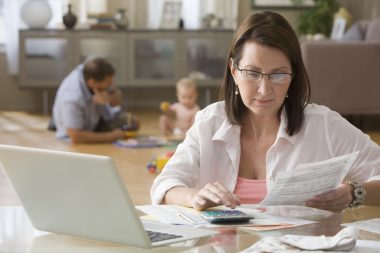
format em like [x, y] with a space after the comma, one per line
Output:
[214, 194]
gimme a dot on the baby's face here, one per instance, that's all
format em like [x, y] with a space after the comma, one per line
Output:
[187, 96]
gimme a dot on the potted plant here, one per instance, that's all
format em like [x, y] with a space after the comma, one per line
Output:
[318, 19]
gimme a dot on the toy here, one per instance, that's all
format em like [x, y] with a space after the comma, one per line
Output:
[158, 163]
[165, 106]
[130, 133]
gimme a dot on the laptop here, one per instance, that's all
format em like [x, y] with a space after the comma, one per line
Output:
[83, 195]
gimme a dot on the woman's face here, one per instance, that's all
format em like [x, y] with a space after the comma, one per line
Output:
[263, 96]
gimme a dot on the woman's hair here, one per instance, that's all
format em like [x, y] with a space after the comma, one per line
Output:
[272, 30]
[97, 69]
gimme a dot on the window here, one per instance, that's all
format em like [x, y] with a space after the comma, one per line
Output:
[2, 40]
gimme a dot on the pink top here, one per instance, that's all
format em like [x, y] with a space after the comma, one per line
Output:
[250, 191]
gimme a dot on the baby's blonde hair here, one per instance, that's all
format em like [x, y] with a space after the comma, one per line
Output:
[186, 83]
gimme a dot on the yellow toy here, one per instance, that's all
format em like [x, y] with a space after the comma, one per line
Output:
[130, 133]
[158, 163]
[165, 106]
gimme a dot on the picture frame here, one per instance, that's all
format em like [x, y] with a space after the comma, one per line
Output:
[281, 4]
[338, 29]
[171, 14]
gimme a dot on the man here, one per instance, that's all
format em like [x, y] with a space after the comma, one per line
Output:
[87, 107]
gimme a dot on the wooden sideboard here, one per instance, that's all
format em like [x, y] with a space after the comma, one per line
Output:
[142, 58]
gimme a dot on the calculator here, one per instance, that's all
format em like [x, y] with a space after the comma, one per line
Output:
[225, 216]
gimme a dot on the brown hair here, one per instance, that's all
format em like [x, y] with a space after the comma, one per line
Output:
[272, 30]
[97, 69]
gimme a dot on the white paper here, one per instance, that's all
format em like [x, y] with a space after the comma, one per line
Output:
[372, 225]
[343, 241]
[271, 219]
[367, 246]
[273, 244]
[308, 180]
[172, 214]
[301, 212]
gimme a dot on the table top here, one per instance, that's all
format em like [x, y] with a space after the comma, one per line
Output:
[17, 235]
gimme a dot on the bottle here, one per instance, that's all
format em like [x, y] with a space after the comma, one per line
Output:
[344, 14]
[69, 19]
[120, 19]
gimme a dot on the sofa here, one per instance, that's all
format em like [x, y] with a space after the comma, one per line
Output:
[345, 74]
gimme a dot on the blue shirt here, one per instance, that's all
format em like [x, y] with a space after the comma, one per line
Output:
[73, 106]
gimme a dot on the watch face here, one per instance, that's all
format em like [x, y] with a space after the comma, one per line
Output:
[359, 192]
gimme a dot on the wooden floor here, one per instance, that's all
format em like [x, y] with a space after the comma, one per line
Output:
[25, 129]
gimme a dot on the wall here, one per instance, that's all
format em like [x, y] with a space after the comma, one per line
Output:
[245, 9]
[362, 9]
[13, 98]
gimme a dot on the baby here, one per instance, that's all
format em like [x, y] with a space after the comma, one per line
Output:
[177, 118]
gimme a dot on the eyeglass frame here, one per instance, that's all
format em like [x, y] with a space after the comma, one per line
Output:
[262, 74]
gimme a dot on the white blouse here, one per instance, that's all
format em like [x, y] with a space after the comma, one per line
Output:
[211, 150]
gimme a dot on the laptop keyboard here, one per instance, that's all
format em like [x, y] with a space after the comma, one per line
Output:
[158, 236]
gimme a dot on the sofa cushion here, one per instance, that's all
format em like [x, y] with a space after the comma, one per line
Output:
[356, 32]
[373, 31]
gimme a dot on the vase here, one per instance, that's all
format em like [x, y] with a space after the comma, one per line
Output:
[120, 19]
[69, 19]
[36, 14]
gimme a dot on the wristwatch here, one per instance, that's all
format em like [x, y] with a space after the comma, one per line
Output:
[359, 194]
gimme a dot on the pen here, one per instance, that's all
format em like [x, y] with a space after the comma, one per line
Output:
[183, 216]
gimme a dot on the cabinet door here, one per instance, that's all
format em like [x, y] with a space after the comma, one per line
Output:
[44, 59]
[107, 45]
[154, 59]
[206, 54]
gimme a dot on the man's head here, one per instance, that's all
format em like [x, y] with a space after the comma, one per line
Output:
[98, 74]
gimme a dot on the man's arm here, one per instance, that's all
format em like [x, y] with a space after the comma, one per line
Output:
[82, 136]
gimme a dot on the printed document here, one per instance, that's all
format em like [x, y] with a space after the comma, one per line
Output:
[308, 180]
[372, 225]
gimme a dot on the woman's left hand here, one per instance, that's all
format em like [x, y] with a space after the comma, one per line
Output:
[336, 200]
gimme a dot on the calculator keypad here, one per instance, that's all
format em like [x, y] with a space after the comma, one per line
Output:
[225, 216]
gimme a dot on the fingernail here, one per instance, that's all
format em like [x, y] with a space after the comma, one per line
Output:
[228, 203]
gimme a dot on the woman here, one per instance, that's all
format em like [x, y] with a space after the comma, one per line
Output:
[236, 148]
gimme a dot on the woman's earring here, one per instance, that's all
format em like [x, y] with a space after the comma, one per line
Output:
[236, 90]
[286, 96]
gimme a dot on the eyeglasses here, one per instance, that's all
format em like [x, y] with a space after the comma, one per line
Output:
[256, 76]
